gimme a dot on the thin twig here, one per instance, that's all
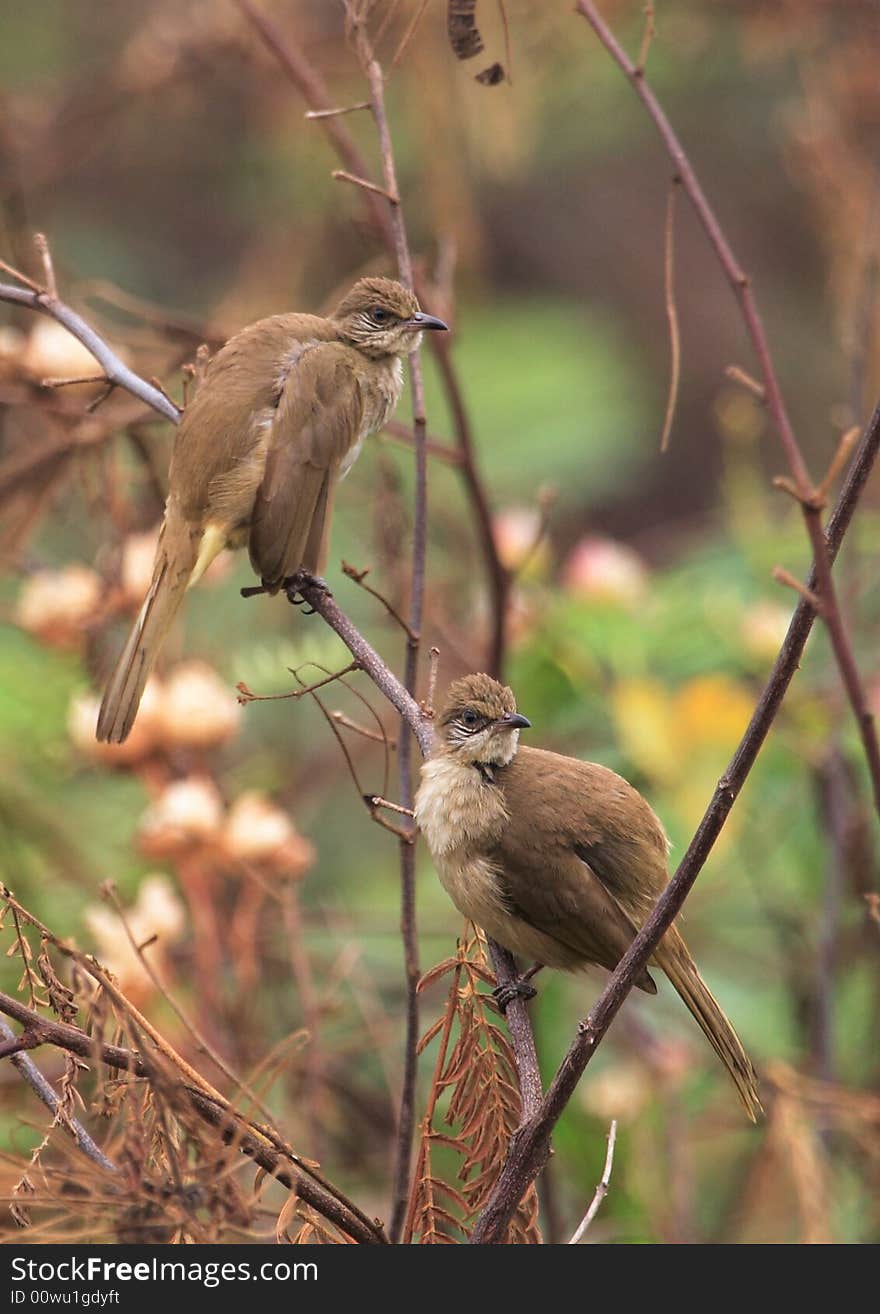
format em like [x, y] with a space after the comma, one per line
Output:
[116, 372]
[67, 383]
[276, 1161]
[810, 502]
[402, 433]
[342, 175]
[671, 316]
[379, 672]
[377, 801]
[498, 576]
[22, 278]
[783, 576]
[332, 113]
[407, 1110]
[430, 700]
[530, 1145]
[246, 695]
[601, 1189]
[359, 577]
[648, 34]
[45, 1092]
[740, 376]
[364, 731]
[41, 242]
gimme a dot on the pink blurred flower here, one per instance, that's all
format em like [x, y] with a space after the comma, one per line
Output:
[517, 532]
[605, 570]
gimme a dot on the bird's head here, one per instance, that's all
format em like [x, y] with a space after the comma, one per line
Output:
[382, 318]
[479, 722]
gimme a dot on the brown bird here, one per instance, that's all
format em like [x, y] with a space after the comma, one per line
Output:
[556, 859]
[279, 418]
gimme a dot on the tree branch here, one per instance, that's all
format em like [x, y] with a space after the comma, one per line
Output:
[30, 1038]
[408, 925]
[115, 371]
[805, 491]
[530, 1145]
[232, 1129]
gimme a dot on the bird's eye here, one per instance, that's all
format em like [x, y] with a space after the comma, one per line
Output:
[378, 314]
[469, 718]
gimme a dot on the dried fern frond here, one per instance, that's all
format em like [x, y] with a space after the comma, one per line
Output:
[475, 1075]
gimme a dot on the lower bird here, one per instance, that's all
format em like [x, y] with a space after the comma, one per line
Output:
[278, 419]
[557, 859]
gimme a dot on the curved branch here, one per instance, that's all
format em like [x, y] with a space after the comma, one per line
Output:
[810, 498]
[115, 371]
[530, 1145]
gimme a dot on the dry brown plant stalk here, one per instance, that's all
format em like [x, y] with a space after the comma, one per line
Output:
[475, 1077]
[180, 1144]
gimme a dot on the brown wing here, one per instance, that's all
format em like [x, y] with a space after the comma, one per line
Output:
[559, 894]
[319, 418]
[582, 857]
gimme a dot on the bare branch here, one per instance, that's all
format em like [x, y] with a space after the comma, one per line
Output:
[407, 1111]
[601, 1189]
[369, 660]
[671, 314]
[116, 372]
[530, 1145]
[280, 1163]
[807, 494]
[34, 1035]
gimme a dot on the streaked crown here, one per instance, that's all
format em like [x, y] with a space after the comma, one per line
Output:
[477, 693]
[382, 294]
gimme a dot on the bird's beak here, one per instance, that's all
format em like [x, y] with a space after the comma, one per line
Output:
[422, 321]
[514, 721]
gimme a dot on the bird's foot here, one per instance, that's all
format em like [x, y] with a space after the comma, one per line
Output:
[518, 989]
[253, 590]
[294, 584]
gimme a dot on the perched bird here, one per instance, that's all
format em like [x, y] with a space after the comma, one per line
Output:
[556, 859]
[279, 418]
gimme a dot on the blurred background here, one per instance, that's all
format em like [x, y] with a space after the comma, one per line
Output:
[166, 155]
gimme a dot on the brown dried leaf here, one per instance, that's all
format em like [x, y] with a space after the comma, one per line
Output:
[435, 973]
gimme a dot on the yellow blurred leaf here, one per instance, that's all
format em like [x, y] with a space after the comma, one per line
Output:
[711, 710]
[644, 715]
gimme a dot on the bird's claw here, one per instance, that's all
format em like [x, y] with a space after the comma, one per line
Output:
[294, 584]
[517, 989]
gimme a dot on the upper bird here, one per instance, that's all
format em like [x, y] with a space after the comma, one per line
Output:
[557, 859]
[278, 419]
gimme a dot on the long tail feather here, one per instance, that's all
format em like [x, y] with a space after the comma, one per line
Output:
[126, 687]
[675, 960]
